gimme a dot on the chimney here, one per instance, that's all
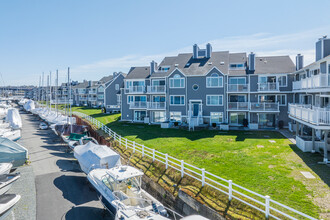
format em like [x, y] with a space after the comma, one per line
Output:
[89, 83]
[252, 59]
[114, 74]
[208, 50]
[153, 67]
[195, 51]
[322, 48]
[299, 61]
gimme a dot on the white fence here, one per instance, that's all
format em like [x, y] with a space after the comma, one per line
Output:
[233, 190]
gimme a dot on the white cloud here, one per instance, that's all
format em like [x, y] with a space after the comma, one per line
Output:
[260, 43]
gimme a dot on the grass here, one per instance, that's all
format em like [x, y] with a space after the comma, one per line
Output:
[247, 158]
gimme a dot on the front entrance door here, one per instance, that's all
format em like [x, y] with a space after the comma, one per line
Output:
[266, 120]
[195, 109]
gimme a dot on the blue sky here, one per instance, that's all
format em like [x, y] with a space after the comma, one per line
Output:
[96, 38]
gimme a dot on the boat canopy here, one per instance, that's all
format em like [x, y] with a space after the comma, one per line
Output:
[92, 156]
[66, 129]
[12, 152]
[29, 105]
[124, 172]
[13, 118]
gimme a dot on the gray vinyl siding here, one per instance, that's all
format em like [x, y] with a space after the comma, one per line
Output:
[110, 93]
[126, 113]
[176, 91]
[323, 67]
[253, 83]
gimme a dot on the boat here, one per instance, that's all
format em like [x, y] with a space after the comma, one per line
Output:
[5, 168]
[12, 152]
[43, 126]
[119, 189]
[91, 156]
[7, 202]
[6, 181]
[14, 119]
[10, 134]
[82, 141]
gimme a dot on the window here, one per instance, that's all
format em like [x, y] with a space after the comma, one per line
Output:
[214, 81]
[177, 100]
[195, 87]
[216, 117]
[281, 99]
[158, 82]
[130, 99]
[177, 81]
[329, 68]
[118, 99]
[282, 81]
[128, 84]
[236, 66]
[214, 100]
[159, 116]
[101, 89]
[266, 98]
[237, 80]
[164, 68]
[117, 87]
[175, 116]
[139, 115]
[100, 96]
[237, 98]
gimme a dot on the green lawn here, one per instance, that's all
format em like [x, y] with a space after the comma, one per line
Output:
[247, 158]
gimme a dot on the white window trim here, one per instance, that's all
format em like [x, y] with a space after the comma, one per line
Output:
[184, 100]
[286, 101]
[128, 98]
[216, 122]
[214, 105]
[184, 81]
[117, 86]
[237, 80]
[212, 77]
[286, 81]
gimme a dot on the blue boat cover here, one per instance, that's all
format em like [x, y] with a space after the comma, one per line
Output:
[12, 152]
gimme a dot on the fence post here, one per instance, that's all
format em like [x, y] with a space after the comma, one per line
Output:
[203, 176]
[153, 155]
[182, 168]
[166, 162]
[126, 144]
[133, 146]
[142, 150]
[230, 189]
[267, 206]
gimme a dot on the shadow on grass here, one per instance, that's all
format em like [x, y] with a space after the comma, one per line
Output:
[311, 160]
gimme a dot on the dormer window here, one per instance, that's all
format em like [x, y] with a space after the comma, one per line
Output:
[236, 66]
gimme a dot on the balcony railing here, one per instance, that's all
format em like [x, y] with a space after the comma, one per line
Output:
[92, 92]
[238, 87]
[268, 87]
[156, 89]
[264, 107]
[238, 106]
[313, 115]
[156, 105]
[142, 105]
[316, 81]
[92, 99]
[136, 89]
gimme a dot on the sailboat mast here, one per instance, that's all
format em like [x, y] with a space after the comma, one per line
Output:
[56, 100]
[50, 90]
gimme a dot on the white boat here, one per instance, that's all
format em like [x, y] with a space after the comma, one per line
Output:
[6, 180]
[12, 152]
[119, 189]
[7, 202]
[11, 134]
[5, 168]
[82, 141]
[91, 156]
[43, 126]
[13, 118]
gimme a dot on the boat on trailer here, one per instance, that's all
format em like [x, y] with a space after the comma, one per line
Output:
[7, 202]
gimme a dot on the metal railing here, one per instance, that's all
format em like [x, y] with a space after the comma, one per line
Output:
[264, 106]
[135, 105]
[268, 87]
[238, 87]
[156, 105]
[136, 89]
[264, 204]
[307, 113]
[156, 89]
[238, 106]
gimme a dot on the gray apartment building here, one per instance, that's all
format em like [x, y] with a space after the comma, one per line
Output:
[210, 88]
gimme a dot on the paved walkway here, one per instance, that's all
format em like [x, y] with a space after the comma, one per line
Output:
[289, 135]
[62, 190]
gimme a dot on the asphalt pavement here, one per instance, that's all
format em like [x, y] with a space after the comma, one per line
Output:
[61, 190]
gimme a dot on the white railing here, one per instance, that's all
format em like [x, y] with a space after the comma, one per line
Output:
[268, 87]
[262, 203]
[138, 105]
[316, 81]
[92, 92]
[238, 87]
[136, 89]
[315, 115]
[238, 106]
[264, 106]
[156, 105]
[92, 99]
[156, 89]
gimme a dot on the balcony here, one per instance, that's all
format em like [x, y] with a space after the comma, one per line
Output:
[157, 105]
[92, 92]
[264, 107]
[156, 89]
[136, 89]
[238, 87]
[310, 114]
[138, 105]
[268, 87]
[314, 82]
[238, 106]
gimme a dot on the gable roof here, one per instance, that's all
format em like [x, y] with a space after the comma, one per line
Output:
[274, 64]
